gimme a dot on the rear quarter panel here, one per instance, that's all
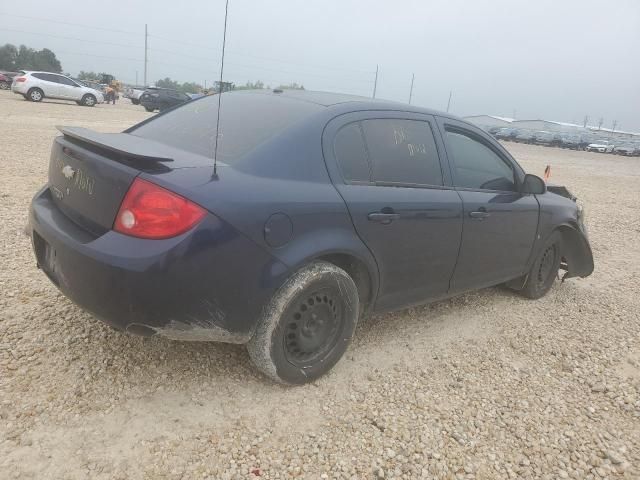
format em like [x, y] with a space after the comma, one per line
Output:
[287, 176]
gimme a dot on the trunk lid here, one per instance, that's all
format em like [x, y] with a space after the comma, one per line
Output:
[90, 172]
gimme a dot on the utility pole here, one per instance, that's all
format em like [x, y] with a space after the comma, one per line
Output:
[586, 120]
[449, 101]
[205, 83]
[375, 84]
[136, 77]
[413, 76]
[146, 48]
[613, 128]
[600, 122]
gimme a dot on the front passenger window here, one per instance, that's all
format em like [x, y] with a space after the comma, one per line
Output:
[477, 166]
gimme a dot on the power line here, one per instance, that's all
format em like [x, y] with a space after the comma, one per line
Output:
[256, 66]
[240, 65]
[99, 56]
[93, 27]
[197, 45]
[67, 38]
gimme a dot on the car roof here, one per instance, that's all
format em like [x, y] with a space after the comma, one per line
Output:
[329, 100]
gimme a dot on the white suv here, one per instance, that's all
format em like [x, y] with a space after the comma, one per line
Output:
[35, 86]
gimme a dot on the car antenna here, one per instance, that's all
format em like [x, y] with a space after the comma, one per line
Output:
[221, 87]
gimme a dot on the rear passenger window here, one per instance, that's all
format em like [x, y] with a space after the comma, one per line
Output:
[402, 151]
[351, 154]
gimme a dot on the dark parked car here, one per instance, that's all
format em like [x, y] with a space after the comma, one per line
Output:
[506, 133]
[628, 149]
[549, 139]
[525, 136]
[570, 141]
[162, 99]
[6, 79]
[323, 208]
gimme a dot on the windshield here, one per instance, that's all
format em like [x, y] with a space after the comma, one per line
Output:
[246, 121]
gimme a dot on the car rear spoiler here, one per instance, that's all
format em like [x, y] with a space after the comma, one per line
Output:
[129, 146]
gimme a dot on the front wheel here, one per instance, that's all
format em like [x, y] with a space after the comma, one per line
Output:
[135, 101]
[544, 269]
[88, 100]
[307, 325]
[5, 85]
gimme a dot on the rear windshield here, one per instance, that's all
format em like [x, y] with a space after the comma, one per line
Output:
[246, 121]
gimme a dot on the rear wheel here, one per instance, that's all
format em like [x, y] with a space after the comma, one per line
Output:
[5, 86]
[135, 101]
[544, 269]
[35, 95]
[149, 109]
[307, 326]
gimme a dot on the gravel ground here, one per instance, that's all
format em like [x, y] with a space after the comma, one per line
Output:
[486, 385]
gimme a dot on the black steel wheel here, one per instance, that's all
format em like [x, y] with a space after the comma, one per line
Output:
[312, 329]
[307, 326]
[544, 270]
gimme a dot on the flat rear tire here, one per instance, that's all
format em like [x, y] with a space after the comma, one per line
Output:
[307, 326]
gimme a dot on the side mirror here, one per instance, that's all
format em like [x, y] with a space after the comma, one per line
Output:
[533, 184]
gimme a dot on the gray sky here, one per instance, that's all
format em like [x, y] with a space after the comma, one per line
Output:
[552, 59]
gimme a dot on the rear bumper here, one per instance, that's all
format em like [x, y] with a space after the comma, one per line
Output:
[210, 283]
[19, 88]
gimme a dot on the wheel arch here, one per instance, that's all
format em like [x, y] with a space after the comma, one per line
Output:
[359, 272]
[575, 250]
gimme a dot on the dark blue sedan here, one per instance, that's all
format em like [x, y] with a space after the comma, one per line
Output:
[323, 208]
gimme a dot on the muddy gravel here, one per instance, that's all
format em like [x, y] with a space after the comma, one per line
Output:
[487, 385]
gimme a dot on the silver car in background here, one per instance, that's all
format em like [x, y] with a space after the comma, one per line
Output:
[35, 86]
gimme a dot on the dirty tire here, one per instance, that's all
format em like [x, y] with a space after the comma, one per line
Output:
[35, 95]
[544, 269]
[307, 325]
[88, 100]
[149, 109]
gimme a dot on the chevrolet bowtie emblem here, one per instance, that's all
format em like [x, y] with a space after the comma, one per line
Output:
[68, 172]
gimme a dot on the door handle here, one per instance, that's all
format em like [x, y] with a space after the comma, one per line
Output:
[480, 214]
[384, 218]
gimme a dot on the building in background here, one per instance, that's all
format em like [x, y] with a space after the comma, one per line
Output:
[487, 121]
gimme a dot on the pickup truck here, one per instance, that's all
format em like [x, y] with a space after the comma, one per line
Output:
[133, 94]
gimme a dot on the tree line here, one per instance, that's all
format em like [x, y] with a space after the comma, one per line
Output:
[14, 58]
[192, 87]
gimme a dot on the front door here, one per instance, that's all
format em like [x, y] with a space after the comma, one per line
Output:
[388, 170]
[68, 88]
[500, 223]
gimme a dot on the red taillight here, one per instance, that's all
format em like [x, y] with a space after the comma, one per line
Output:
[20, 79]
[150, 211]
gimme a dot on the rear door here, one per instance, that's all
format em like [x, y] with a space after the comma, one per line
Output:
[48, 83]
[500, 223]
[387, 167]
